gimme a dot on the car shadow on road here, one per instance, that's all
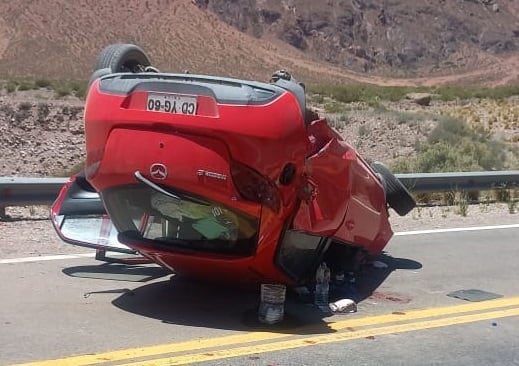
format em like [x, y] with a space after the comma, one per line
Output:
[373, 274]
[183, 301]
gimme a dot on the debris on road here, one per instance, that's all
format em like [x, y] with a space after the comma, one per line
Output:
[272, 305]
[117, 291]
[474, 295]
[343, 306]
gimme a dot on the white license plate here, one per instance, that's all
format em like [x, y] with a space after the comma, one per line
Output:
[172, 103]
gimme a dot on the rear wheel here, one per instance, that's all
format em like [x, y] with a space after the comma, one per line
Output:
[122, 57]
[397, 195]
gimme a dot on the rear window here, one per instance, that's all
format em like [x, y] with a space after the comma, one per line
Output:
[186, 222]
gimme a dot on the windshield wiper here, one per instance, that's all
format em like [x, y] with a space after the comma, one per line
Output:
[154, 186]
[165, 192]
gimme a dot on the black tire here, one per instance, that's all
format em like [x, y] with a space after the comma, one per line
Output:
[121, 57]
[397, 195]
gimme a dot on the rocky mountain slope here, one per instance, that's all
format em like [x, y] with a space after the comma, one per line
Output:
[401, 36]
[469, 41]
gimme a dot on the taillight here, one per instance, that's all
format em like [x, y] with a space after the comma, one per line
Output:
[255, 187]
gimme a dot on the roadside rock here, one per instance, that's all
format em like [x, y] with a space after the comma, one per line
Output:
[423, 99]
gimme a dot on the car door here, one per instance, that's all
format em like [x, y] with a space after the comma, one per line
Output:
[79, 217]
[325, 190]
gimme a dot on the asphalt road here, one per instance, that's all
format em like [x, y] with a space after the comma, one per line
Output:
[76, 311]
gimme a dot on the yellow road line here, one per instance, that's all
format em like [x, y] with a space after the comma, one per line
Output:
[157, 350]
[336, 337]
[425, 313]
[192, 345]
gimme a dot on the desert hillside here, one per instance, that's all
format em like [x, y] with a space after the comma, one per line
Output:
[398, 42]
[36, 43]
[399, 37]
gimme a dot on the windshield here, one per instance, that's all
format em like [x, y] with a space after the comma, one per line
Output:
[180, 221]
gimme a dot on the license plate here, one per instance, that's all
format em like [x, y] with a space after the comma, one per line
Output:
[172, 103]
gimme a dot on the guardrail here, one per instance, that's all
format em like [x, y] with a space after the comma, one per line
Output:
[459, 181]
[17, 191]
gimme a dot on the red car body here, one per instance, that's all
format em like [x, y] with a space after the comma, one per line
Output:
[240, 183]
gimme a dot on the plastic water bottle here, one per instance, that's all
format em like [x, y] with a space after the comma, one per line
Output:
[272, 306]
[322, 287]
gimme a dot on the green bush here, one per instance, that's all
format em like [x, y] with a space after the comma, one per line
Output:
[63, 91]
[62, 88]
[26, 85]
[362, 92]
[43, 83]
[454, 146]
[449, 129]
[70, 87]
[11, 86]
[448, 93]
[370, 93]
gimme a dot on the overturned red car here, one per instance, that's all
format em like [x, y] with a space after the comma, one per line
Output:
[221, 179]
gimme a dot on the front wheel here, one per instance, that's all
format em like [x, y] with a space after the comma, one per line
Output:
[397, 195]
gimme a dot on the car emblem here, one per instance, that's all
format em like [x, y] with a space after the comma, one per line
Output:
[158, 171]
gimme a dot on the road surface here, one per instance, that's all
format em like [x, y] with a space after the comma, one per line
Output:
[72, 310]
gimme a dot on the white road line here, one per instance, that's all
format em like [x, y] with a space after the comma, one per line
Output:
[46, 258]
[402, 233]
[459, 229]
